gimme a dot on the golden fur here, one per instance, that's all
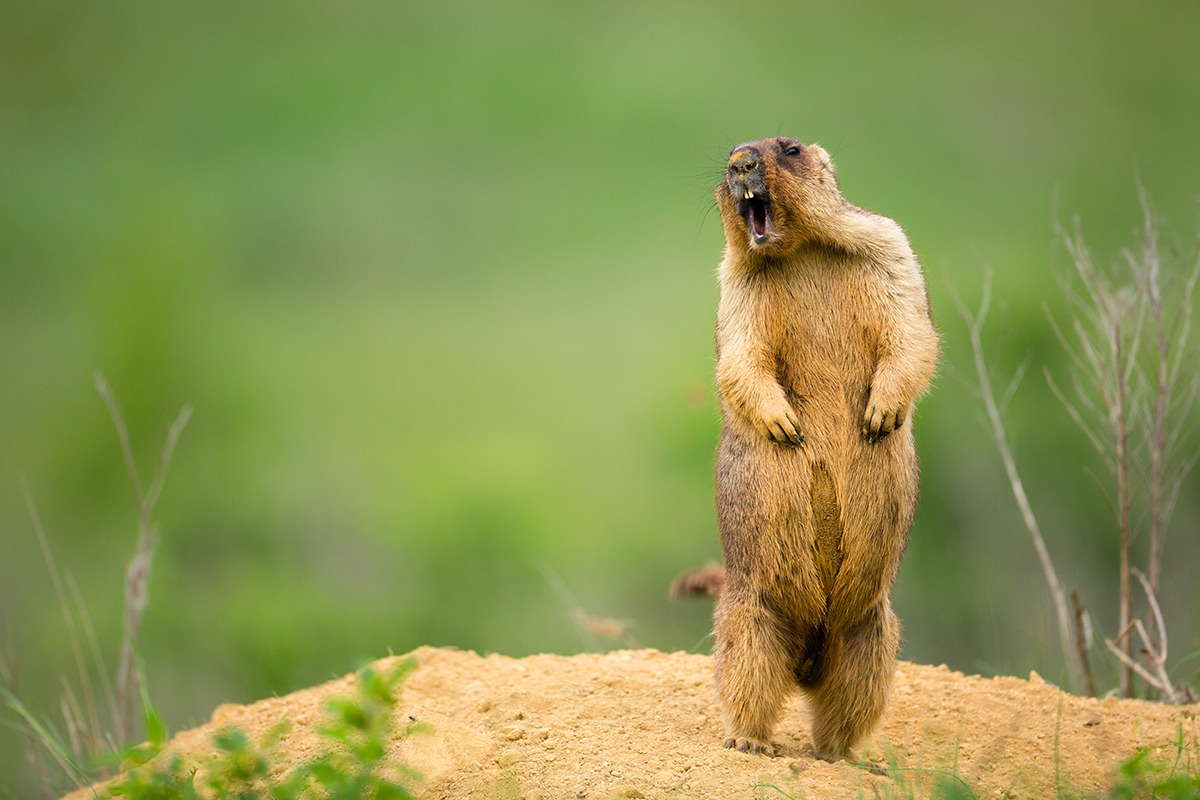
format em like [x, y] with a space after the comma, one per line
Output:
[824, 342]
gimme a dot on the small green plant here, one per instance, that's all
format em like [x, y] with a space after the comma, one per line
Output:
[353, 764]
[98, 713]
[913, 783]
[1144, 778]
[361, 730]
[100, 717]
[894, 781]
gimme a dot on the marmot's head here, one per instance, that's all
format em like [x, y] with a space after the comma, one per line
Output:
[777, 194]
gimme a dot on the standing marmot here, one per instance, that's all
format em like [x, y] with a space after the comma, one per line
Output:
[824, 340]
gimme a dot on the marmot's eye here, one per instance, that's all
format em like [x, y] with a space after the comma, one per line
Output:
[792, 151]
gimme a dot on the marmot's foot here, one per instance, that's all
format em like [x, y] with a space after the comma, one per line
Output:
[752, 746]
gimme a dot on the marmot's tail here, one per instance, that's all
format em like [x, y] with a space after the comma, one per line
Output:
[697, 582]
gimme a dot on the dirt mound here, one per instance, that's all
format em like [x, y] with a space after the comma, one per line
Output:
[644, 724]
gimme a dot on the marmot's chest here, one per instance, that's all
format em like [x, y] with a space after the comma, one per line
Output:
[823, 336]
[823, 320]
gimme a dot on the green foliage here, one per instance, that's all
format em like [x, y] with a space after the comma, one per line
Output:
[351, 765]
[42, 733]
[169, 782]
[361, 728]
[136, 755]
[910, 784]
[1143, 777]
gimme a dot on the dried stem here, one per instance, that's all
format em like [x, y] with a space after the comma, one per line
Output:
[590, 626]
[1107, 326]
[975, 323]
[1133, 399]
[1154, 672]
[82, 718]
[1170, 399]
[1083, 643]
[8, 688]
[1146, 270]
[85, 733]
[1133, 388]
[137, 574]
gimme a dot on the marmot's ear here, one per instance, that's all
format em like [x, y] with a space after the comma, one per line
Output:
[823, 159]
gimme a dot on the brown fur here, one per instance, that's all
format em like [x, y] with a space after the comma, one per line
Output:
[697, 582]
[824, 342]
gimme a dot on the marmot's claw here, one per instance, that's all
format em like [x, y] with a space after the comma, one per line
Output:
[785, 430]
[751, 746]
[878, 424]
[787, 435]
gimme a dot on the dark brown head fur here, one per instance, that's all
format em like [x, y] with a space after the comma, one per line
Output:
[777, 194]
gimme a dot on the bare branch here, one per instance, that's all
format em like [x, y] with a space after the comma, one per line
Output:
[1128, 661]
[1107, 324]
[1073, 412]
[1156, 612]
[975, 326]
[1154, 671]
[1102, 491]
[1083, 643]
[1012, 385]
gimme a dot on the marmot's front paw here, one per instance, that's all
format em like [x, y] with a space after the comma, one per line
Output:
[751, 746]
[879, 421]
[779, 423]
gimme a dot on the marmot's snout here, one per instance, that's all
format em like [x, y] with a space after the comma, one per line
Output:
[744, 160]
[748, 185]
[746, 174]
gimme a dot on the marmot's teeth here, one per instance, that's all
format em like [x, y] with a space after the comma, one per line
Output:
[749, 194]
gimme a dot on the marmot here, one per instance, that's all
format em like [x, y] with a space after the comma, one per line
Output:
[824, 341]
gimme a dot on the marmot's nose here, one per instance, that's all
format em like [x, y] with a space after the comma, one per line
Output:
[744, 160]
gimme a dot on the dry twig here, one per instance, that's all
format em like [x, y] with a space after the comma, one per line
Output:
[1107, 323]
[975, 323]
[1154, 672]
[137, 574]
[1133, 399]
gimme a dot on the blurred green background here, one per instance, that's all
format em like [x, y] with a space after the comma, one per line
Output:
[438, 281]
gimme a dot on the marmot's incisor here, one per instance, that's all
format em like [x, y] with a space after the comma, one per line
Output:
[824, 341]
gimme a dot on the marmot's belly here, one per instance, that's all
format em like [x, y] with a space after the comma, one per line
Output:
[771, 518]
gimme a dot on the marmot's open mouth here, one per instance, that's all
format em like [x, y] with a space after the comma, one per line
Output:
[756, 208]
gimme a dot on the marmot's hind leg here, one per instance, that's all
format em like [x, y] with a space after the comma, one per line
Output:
[851, 696]
[752, 669]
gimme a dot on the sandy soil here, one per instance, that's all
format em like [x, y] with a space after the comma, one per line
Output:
[644, 724]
